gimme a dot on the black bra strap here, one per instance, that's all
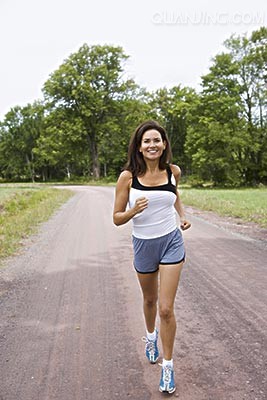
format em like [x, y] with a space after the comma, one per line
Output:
[134, 181]
[169, 171]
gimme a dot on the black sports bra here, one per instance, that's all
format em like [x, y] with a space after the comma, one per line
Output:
[170, 187]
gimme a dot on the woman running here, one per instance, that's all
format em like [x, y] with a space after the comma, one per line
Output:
[146, 193]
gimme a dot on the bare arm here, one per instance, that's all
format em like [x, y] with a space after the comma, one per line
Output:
[120, 214]
[184, 224]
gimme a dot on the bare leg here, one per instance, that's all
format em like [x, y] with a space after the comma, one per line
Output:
[169, 280]
[149, 286]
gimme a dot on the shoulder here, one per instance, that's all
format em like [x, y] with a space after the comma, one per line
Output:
[176, 171]
[125, 179]
[125, 175]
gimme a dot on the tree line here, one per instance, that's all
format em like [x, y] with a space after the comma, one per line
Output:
[82, 126]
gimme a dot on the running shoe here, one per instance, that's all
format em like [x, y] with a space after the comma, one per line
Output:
[167, 384]
[151, 349]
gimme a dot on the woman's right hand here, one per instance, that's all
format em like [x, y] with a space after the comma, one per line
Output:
[140, 204]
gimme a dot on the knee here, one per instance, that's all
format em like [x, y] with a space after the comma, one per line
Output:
[150, 301]
[166, 312]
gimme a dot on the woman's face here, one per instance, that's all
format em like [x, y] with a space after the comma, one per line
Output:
[152, 145]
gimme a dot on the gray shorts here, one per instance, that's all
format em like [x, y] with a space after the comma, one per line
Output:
[149, 253]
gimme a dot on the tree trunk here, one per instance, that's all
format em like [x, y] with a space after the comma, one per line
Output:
[31, 170]
[96, 167]
[94, 155]
[68, 172]
[43, 175]
[261, 113]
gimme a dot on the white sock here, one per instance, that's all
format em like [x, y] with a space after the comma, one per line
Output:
[151, 336]
[167, 363]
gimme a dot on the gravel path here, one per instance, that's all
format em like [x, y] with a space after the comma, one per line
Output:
[71, 312]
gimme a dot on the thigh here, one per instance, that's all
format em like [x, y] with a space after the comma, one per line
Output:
[169, 280]
[149, 285]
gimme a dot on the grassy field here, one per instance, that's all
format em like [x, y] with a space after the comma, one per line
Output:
[22, 209]
[246, 204]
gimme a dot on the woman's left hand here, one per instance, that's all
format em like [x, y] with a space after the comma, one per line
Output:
[184, 224]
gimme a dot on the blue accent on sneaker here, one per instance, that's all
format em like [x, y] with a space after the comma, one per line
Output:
[151, 349]
[167, 380]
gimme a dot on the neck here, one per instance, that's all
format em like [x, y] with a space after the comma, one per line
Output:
[152, 166]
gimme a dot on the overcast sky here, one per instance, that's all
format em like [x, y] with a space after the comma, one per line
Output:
[169, 42]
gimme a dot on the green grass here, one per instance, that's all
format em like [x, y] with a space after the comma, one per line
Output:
[246, 204]
[22, 209]
[24, 206]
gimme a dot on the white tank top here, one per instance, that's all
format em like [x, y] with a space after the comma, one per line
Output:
[159, 218]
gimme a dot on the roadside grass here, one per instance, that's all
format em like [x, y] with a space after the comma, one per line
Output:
[247, 204]
[71, 182]
[24, 206]
[22, 209]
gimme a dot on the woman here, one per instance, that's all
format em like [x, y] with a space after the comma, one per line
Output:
[148, 185]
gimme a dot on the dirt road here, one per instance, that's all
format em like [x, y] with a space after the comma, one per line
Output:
[71, 313]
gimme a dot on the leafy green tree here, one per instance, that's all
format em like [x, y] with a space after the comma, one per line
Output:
[216, 152]
[232, 114]
[19, 132]
[88, 86]
[115, 136]
[172, 107]
[250, 56]
[61, 148]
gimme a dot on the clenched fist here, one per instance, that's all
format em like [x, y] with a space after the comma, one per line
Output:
[140, 204]
[184, 224]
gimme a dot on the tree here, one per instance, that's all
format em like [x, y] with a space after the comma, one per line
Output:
[88, 86]
[116, 133]
[19, 133]
[231, 114]
[60, 149]
[216, 151]
[172, 107]
[250, 56]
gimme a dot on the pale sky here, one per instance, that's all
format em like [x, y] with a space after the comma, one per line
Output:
[169, 42]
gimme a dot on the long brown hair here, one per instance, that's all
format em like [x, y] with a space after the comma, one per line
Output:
[136, 164]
